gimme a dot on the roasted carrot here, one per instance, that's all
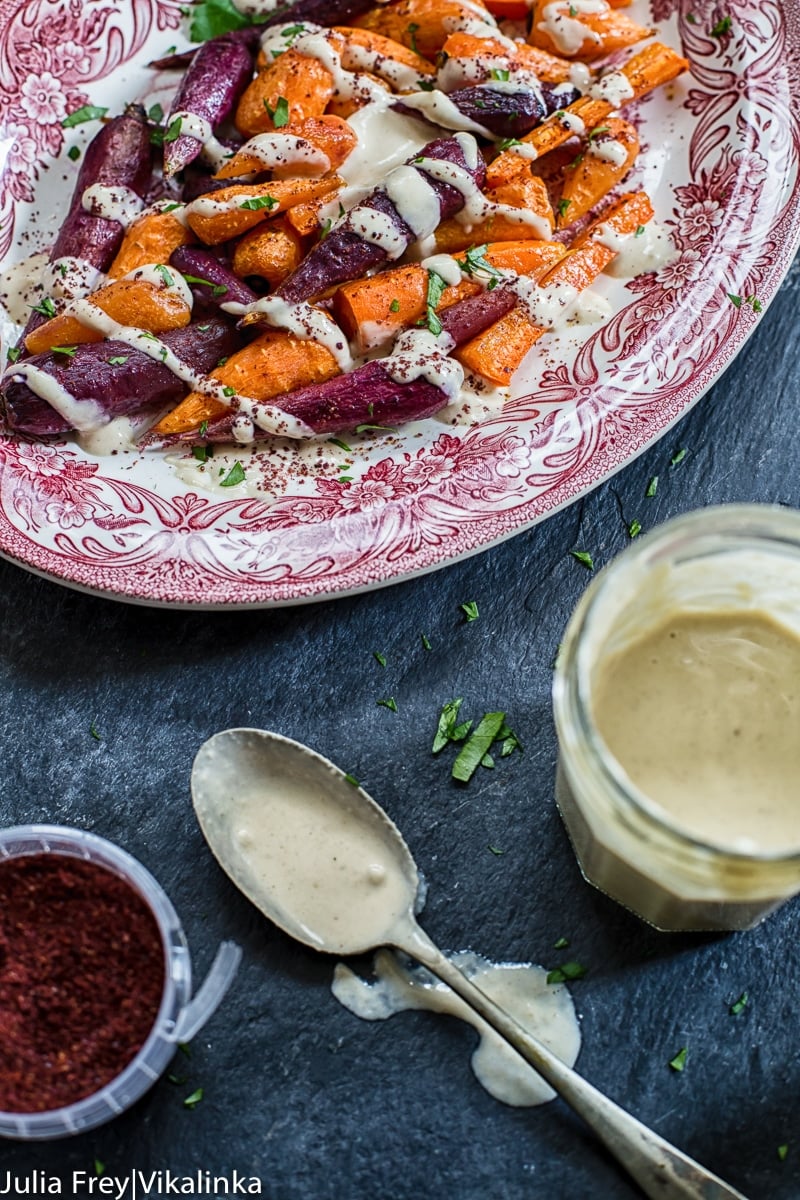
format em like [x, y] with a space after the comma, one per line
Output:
[525, 192]
[305, 218]
[276, 362]
[233, 210]
[344, 106]
[304, 83]
[270, 251]
[548, 67]
[498, 351]
[652, 67]
[330, 135]
[150, 239]
[129, 301]
[372, 310]
[606, 31]
[367, 50]
[419, 24]
[605, 160]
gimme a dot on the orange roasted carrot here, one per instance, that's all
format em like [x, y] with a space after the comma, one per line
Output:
[275, 363]
[606, 159]
[371, 311]
[419, 24]
[498, 351]
[549, 67]
[344, 106]
[367, 50]
[523, 192]
[606, 31]
[305, 84]
[150, 239]
[233, 210]
[270, 251]
[328, 134]
[650, 68]
[128, 301]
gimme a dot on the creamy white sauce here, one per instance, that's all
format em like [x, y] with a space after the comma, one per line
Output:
[385, 140]
[481, 25]
[572, 122]
[70, 278]
[402, 77]
[445, 266]
[21, 287]
[650, 251]
[166, 279]
[117, 436]
[79, 414]
[568, 32]
[580, 76]
[419, 354]
[608, 150]
[415, 199]
[377, 228]
[546, 1010]
[548, 307]
[477, 207]
[302, 320]
[435, 106]
[114, 203]
[286, 154]
[614, 88]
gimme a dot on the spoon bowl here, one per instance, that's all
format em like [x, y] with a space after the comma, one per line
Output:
[325, 863]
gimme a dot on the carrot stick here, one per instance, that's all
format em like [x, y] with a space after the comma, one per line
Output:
[591, 176]
[130, 301]
[150, 239]
[330, 135]
[367, 50]
[522, 191]
[606, 31]
[419, 24]
[652, 67]
[549, 67]
[498, 351]
[304, 83]
[233, 210]
[270, 251]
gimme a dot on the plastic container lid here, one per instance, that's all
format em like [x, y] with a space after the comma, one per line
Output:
[180, 1015]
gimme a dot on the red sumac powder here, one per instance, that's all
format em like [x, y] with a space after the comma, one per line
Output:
[81, 979]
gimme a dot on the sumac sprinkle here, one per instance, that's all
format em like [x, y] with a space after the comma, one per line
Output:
[81, 979]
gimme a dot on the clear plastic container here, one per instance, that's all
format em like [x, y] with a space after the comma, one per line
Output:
[735, 559]
[179, 1017]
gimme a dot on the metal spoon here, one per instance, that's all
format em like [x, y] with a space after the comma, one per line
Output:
[325, 863]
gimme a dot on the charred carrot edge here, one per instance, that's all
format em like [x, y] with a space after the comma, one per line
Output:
[150, 239]
[246, 209]
[497, 353]
[269, 251]
[606, 32]
[129, 301]
[330, 134]
[304, 83]
[652, 67]
[589, 178]
[275, 363]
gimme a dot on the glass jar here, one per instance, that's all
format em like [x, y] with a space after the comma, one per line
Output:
[736, 559]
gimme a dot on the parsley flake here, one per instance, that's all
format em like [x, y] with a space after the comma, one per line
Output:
[739, 1005]
[70, 351]
[173, 131]
[74, 153]
[279, 115]
[494, 849]
[351, 779]
[425, 643]
[567, 972]
[470, 610]
[584, 558]
[448, 730]
[118, 360]
[634, 529]
[375, 429]
[508, 143]
[234, 476]
[652, 488]
[679, 1061]
[213, 17]
[477, 746]
[257, 202]
[193, 1100]
[342, 445]
[561, 944]
[679, 457]
[639, 231]
[722, 27]
[229, 391]
[394, 306]
[563, 205]
[155, 114]
[436, 288]
[691, 18]
[501, 74]
[412, 31]
[99, 1166]
[93, 732]
[165, 275]
[46, 308]
[290, 32]
[203, 428]
[380, 659]
[389, 703]
[14, 353]
[88, 112]
[598, 130]
[783, 1151]
[475, 262]
[201, 453]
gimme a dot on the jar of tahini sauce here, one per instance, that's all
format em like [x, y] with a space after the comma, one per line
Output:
[677, 705]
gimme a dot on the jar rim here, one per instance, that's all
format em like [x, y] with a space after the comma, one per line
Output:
[688, 533]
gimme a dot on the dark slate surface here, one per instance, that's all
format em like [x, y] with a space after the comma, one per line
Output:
[317, 1104]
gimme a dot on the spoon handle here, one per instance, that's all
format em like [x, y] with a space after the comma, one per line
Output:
[662, 1171]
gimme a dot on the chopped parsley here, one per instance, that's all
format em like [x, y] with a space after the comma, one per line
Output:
[292, 31]
[691, 18]
[584, 558]
[783, 1151]
[351, 779]
[70, 351]
[234, 476]
[634, 529]
[425, 642]
[342, 445]
[193, 1100]
[412, 31]
[563, 205]
[118, 360]
[213, 17]
[99, 1166]
[567, 972]
[258, 202]
[501, 74]
[436, 288]
[202, 453]
[165, 275]
[477, 746]
[217, 289]
[573, 12]
[168, 208]
[93, 732]
[173, 131]
[380, 659]
[639, 231]
[89, 112]
[394, 306]
[598, 129]
[494, 849]
[74, 153]
[345, 479]
[752, 301]
[679, 457]
[203, 430]
[375, 429]
[280, 114]
[679, 1061]
[475, 261]
[509, 742]
[652, 487]
[155, 114]
[448, 729]
[13, 354]
[722, 27]
[46, 308]
[389, 703]
[739, 1005]
[508, 143]
[228, 392]
[561, 944]
[426, 85]
[470, 610]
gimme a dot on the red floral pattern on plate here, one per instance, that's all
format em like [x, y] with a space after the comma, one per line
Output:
[727, 190]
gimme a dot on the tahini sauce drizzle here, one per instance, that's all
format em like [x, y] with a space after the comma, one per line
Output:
[544, 1009]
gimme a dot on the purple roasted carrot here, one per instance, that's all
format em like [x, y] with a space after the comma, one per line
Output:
[219, 73]
[249, 36]
[111, 376]
[219, 286]
[320, 12]
[348, 253]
